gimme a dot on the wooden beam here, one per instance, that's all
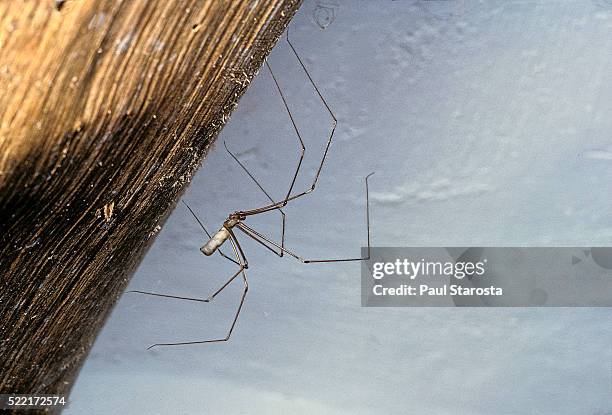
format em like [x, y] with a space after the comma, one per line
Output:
[107, 108]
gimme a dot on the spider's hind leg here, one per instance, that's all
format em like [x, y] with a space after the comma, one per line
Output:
[243, 265]
[215, 293]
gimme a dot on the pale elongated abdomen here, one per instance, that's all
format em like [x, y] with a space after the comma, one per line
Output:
[215, 242]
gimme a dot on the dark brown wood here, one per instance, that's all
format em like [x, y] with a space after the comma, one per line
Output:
[107, 109]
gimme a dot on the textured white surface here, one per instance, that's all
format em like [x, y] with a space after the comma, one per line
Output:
[487, 123]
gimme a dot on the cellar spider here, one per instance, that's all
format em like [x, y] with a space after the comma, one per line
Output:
[237, 219]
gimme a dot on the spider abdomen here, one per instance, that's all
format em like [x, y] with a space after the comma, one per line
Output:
[216, 241]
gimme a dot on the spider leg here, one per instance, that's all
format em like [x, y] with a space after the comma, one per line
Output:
[289, 196]
[267, 242]
[201, 300]
[280, 252]
[243, 265]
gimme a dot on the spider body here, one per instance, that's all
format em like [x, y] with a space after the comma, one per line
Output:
[222, 234]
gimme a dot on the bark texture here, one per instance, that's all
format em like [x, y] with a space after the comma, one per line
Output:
[107, 108]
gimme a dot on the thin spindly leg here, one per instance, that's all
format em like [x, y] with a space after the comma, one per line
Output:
[283, 217]
[213, 295]
[243, 265]
[265, 241]
[201, 300]
[289, 196]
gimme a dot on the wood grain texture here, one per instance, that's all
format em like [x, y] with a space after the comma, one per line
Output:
[107, 108]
